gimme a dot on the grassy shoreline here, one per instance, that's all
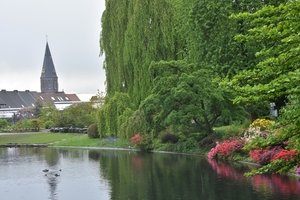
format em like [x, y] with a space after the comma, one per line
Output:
[60, 139]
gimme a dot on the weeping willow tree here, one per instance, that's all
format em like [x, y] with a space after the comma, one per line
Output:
[134, 34]
[109, 114]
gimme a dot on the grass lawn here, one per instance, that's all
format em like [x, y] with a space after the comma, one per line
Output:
[35, 138]
[61, 139]
[79, 140]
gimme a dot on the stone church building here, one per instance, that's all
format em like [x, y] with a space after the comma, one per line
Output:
[13, 101]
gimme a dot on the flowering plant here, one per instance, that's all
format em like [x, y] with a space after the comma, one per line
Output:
[285, 155]
[264, 156]
[226, 149]
[136, 139]
[263, 124]
[142, 142]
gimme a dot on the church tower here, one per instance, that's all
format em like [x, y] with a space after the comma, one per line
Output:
[49, 79]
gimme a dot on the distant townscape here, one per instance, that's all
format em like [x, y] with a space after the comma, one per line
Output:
[11, 102]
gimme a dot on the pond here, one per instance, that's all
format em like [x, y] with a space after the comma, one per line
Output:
[127, 175]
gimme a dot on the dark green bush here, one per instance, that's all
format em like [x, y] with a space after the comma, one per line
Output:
[93, 131]
[49, 124]
[169, 137]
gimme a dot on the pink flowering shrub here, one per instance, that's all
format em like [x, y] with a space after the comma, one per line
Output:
[135, 139]
[226, 149]
[142, 142]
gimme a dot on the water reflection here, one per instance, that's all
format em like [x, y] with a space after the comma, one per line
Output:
[268, 184]
[118, 175]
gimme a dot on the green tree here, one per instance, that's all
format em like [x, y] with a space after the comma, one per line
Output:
[135, 33]
[277, 75]
[109, 115]
[78, 115]
[50, 113]
[37, 109]
[182, 100]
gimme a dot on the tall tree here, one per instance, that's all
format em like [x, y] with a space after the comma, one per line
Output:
[135, 33]
[276, 75]
[182, 100]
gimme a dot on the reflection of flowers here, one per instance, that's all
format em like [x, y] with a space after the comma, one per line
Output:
[136, 162]
[274, 183]
[268, 183]
[225, 170]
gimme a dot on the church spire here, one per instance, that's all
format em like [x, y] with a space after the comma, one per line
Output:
[49, 79]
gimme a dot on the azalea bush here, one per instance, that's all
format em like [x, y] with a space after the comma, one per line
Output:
[280, 166]
[135, 139]
[264, 156]
[227, 148]
[285, 155]
[276, 159]
[141, 142]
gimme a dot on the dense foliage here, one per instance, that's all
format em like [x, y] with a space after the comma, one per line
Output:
[93, 131]
[3, 123]
[185, 67]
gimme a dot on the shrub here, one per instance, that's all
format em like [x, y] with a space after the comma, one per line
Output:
[93, 131]
[187, 146]
[35, 124]
[229, 131]
[263, 124]
[135, 139]
[264, 156]
[227, 148]
[285, 155]
[169, 137]
[3, 123]
[48, 124]
[142, 142]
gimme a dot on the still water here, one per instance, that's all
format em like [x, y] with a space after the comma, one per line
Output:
[88, 174]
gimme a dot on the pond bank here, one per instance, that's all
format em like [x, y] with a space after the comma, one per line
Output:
[16, 145]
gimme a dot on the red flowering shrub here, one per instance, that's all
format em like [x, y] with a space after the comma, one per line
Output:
[264, 156]
[136, 139]
[142, 142]
[226, 149]
[285, 155]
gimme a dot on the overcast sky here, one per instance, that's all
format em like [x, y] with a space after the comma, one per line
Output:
[73, 28]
